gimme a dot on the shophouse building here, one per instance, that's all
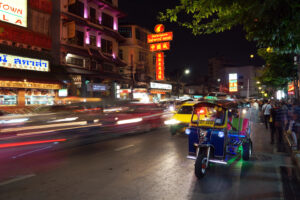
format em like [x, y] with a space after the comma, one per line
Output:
[27, 75]
[87, 46]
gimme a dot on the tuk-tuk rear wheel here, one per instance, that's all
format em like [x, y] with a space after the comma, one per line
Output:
[200, 166]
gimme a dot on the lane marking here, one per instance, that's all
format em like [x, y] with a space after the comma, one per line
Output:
[20, 178]
[124, 147]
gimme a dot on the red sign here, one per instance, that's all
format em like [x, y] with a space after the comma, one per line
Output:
[291, 89]
[159, 28]
[160, 66]
[160, 46]
[161, 37]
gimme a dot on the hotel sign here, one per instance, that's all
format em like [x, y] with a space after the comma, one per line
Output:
[161, 37]
[160, 66]
[233, 85]
[14, 12]
[24, 63]
[160, 46]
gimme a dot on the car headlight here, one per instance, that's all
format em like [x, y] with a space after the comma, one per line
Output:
[172, 122]
[187, 131]
[171, 108]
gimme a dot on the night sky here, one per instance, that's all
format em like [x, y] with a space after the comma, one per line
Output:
[188, 50]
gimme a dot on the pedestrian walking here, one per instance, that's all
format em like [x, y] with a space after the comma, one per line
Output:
[266, 112]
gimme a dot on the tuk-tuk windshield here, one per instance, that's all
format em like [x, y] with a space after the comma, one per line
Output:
[209, 115]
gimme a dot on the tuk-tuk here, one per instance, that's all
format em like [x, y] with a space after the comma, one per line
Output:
[219, 132]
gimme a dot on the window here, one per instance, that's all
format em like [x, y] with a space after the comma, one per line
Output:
[40, 22]
[93, 15]
[79, 38]
[126, 32]
[93, 65]
[140, 35]
[121, 54]
[92, 40]
[107, 20]
[185, 110]
[108, 68]
[106, 46]
[77, 8]
[75, 61]
[142, 56]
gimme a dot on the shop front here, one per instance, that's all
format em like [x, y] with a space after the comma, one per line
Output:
[27, 93]
[159, 91]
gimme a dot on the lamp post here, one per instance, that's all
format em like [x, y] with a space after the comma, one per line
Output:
[179, 77]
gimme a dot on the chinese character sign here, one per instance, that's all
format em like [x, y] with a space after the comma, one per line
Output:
[233, 85]
[161, 37]
[160, 46]
[160, 66]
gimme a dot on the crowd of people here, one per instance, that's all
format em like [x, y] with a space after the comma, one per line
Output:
[280, 117]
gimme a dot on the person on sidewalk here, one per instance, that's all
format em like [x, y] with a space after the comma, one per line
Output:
[280, 122]
[272, 122]
[266, 111]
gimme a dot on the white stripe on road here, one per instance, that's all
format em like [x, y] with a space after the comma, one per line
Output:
[29, 152]
[20, 178]
[124, 147]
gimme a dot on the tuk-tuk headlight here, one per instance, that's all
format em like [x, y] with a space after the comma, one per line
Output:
[187, 131]
[221, 134]
[172, 122]
[203, 133]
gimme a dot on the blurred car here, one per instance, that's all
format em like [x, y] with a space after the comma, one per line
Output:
[181, 118]
[134, 117]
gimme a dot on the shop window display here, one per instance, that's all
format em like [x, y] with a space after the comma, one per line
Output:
[8, 97]
[39, 97]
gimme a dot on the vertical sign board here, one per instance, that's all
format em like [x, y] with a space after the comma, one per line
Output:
[160, 66]
[291, 88]
[233, 85]
[14, 12]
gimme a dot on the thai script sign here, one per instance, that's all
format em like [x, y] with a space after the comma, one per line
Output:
[14, 12]
[23, 84]
[161, 37]
[18, 62]
[160, 86]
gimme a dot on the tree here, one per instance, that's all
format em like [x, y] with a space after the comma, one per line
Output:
[278, 71]
[270, 23]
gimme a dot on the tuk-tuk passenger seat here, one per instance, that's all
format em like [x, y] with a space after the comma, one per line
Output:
[239, 126]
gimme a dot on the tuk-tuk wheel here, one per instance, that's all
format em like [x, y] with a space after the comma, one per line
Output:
[200, 166]
[247, 150]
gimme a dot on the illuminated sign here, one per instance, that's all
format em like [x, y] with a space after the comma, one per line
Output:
[63, 92]
[159, 28]
[22, 84]
[18, 62]
[233, 85]
[161, 37]
[291, 88]
[160, 86]
[160, 46]
[14, 12]
[160, 66]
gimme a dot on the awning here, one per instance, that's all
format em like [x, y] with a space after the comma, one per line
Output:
[75, 50]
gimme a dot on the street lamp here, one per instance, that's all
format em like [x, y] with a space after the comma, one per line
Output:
[251, 56]
[259, 88]
[187, 71]
[257, 82]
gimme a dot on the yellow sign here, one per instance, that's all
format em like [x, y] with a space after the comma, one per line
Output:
[23, 84]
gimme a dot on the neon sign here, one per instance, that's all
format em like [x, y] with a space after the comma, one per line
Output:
[14, 12]
[160, 66]
[18, 62]
[161, 37]
[159, 28]
[160, 46]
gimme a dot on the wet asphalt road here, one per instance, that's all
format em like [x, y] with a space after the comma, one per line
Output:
[150, 166]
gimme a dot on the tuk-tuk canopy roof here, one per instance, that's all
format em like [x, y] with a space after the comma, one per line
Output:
[226, 104]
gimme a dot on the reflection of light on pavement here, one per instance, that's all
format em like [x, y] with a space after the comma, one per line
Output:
[12, 121]
[64, 120]
[16, 144]
[29, 152]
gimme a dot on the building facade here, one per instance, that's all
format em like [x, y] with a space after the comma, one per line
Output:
[140, 61]
[246, 79]
[87, 46]
[27, 75]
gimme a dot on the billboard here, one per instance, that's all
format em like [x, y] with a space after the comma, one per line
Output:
[160, 46]
[18, 62]
[14, 12]
[160, 66]
[160, 37]
[160, 86]
[233, 85]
